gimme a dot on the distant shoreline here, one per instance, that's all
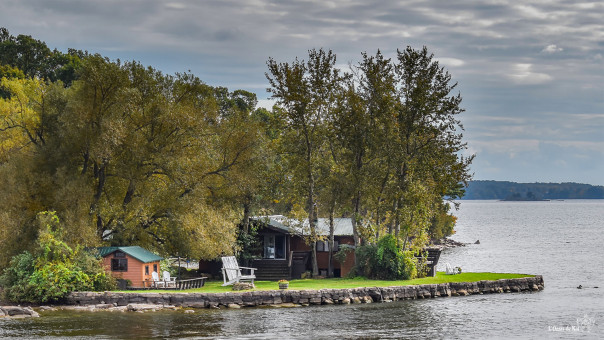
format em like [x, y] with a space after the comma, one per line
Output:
[512, 191]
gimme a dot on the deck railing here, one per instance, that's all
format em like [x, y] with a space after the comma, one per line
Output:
[190, 283]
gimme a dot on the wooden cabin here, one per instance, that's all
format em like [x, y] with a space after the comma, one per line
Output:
[131, 263]
[285, 255]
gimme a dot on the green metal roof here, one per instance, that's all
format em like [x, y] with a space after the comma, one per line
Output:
[137, 252]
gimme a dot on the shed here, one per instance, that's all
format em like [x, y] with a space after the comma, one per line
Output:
[132, 263]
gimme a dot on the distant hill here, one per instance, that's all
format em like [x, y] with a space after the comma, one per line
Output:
[503, 190]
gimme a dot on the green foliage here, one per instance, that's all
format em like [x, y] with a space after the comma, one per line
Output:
[342, 254]
[34, 59]
[386, 260]
[442, 223]
[249, 246]
[54, 270]
[15, 279]
[129, 156]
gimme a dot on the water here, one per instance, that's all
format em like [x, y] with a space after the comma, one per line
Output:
[561, 240]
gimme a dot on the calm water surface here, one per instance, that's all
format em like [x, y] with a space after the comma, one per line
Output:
[561, 240]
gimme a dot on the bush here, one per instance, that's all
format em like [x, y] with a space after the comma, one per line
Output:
[385, 261]
[54, 270]
[15, 279]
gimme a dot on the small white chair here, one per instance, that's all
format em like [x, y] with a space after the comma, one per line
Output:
[169, 281]
[450, 270]
[156, 282]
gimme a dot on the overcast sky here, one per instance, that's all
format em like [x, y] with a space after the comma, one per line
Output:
[531, 72]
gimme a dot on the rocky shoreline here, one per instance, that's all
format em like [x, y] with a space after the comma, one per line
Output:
[145, 302]
[141, 302]
[445, 243]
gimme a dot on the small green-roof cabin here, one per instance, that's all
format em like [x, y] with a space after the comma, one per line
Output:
[131, 263]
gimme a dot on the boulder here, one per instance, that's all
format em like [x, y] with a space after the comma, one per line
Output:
[243, 286]
[18, 311]
[142, 307]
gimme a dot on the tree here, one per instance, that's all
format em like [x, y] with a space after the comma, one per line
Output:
[306, 92]
[36, 60]
[125, 155]
[428, 139]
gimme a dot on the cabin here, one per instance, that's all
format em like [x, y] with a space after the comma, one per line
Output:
[132, 263]
[285, 255]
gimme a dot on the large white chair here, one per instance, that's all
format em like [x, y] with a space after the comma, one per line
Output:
[231, 272]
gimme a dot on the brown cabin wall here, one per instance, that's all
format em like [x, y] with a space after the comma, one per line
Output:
[136, 270]
[298, 244]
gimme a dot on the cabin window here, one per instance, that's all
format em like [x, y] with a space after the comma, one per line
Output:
[155, 267]
[119, 265]
[119, 254]
[146, 270]
[324, 245]
[274, 246]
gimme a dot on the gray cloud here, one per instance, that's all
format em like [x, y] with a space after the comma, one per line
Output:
[528, 71]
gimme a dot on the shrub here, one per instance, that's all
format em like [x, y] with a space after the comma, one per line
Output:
[15, 279]
[386, 261]
[54, 270]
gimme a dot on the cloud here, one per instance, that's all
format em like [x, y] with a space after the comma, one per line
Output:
[552, 49]
[523, 74]
[450, 62]
[266, 103]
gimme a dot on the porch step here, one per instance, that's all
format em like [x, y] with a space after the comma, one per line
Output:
[271, 270]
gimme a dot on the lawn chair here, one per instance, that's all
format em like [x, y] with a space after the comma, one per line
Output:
[231, 272]
[169, 282]
[450, 270]
[156, 282]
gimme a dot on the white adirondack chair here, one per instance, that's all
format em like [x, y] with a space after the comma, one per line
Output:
[169, 281]
[156, 282]
[231, 272]
[449, 270]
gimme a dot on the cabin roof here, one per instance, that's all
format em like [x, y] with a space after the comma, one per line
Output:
[342, 226]
[137, 252]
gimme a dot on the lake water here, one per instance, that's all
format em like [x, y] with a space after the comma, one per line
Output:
[561, 240]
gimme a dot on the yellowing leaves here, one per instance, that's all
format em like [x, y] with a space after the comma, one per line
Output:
[20, 115]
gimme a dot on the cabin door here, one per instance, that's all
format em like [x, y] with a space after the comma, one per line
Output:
[274, 246]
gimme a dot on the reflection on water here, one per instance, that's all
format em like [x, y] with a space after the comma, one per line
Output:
[560, 240]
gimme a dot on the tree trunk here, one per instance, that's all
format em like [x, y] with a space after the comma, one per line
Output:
[355, 229]
[331, 243]
[246, 217]
[312, 221]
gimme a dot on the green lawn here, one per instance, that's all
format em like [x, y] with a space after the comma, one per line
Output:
[441, 277]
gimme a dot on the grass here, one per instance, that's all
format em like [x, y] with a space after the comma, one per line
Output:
[340, 283]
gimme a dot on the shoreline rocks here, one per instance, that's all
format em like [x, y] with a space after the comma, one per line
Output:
[446, 242]
[142, 302]
[18, 312]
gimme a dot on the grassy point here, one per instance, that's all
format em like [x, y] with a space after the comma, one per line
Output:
[344, 283]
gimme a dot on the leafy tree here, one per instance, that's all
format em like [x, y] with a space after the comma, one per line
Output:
[427, 164]
[126, 155]
[36, 60]
[306, 91]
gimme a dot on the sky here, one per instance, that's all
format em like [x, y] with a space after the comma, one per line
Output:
[531, 73]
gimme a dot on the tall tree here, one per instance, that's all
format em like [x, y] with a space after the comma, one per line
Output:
[306, 91]
[428, 139]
